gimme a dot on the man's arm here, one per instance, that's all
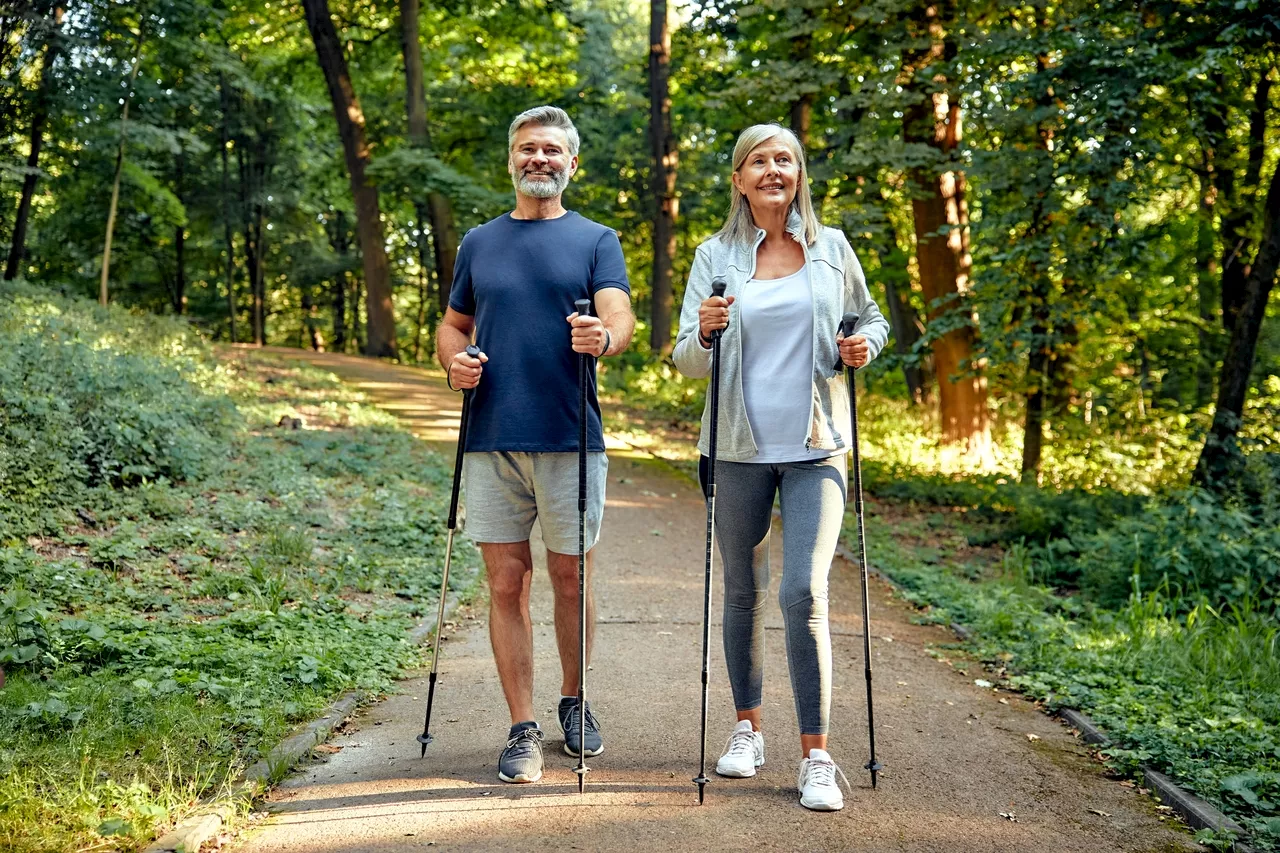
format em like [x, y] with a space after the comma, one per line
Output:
[452, 338]
[613, 310]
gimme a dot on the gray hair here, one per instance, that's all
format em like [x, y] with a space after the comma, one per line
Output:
[545, 117]
[739, 226]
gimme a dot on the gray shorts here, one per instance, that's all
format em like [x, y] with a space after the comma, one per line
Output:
[507, 491]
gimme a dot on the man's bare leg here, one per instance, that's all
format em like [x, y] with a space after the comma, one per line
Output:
[509, 567]
[563, 569]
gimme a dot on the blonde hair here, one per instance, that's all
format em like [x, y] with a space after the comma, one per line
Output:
[546, 116]
[739, 226]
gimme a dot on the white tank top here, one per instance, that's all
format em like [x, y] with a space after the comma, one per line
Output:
[777, 365]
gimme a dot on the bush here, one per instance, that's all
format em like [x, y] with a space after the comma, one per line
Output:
[84, 401]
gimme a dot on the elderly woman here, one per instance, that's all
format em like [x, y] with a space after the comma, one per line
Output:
[784, 428]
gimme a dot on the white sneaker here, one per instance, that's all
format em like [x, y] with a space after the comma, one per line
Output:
[743, 753]
[819, 789]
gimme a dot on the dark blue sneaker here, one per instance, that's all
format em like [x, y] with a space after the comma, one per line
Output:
[570, 721]
[521, 761]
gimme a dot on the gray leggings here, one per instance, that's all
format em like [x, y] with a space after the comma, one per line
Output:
[812, 498]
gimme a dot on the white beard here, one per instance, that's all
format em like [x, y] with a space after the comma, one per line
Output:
[542, 188]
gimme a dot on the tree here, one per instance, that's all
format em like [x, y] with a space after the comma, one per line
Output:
[666, 158]
[39, 116]
[115, 183]
[1244, 306]
[444, 232]
[933, 123]
[381, 337]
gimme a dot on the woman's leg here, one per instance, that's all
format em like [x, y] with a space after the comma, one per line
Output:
[813, 500]
[744, 507]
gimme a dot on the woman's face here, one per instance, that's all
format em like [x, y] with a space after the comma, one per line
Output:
[768, 177]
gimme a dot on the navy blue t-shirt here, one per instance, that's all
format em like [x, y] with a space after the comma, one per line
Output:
[519, 278]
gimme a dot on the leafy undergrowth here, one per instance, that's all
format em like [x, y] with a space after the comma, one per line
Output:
[1177, 683]
[162, 629]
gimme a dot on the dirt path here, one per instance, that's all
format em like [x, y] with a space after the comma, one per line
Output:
[956, 756]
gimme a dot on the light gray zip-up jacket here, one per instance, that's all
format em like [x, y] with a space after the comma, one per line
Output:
[838, 286]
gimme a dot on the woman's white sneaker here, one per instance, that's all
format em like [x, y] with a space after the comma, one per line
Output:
[819, 789]
[743, 753]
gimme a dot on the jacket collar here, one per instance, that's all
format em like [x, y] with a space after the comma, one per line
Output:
[743, 256]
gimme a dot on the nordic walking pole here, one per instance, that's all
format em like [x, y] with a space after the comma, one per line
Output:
[847, 324]
[426, 738]
[583, 307]
[718, 286]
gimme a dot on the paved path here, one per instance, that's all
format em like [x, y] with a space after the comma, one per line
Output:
[956, 757]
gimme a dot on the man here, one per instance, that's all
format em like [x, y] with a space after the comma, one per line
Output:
[515, 280]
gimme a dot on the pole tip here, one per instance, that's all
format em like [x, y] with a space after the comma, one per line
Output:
[424, 739]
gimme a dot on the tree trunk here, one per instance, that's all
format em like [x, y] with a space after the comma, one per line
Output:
[1206, 288]
[39, 116]
[1040, 375]
[444, 232]
[942, 247]
[179, 247]
[1220, 458]
[423, 294]
[225, 138]
[906, 331]
[350, 118]
[115, 184]
[310, 326]
[338, 240]
[666, 159]
[802, 107]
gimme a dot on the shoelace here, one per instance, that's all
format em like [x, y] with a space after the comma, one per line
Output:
[823, 773]
[527, 734]
[741, 742]
[571, 724]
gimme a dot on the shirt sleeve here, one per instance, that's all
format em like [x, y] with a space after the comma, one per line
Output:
[610, 268]
[462, 297]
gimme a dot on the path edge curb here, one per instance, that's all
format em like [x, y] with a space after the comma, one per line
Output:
[191, 833]
[1197, 813]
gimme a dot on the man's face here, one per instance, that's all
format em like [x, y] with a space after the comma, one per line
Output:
[540, 163]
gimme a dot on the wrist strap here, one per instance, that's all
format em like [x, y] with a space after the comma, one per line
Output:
[608, 342]
[448, 377]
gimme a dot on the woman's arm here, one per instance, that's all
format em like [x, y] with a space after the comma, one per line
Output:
[857, 298]
[691, 358]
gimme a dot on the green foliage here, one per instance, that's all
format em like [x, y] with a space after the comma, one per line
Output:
[159, 635]
[85, 402]
[1194, 691]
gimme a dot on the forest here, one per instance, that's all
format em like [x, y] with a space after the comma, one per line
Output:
[1069, 210]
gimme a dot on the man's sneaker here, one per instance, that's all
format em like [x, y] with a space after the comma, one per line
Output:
[817, 783]
[570, 722]
[521, 761]
[743, 753]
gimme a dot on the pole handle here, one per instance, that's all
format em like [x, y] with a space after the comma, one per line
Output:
[718, 286]
[583, 307]
[847, 324]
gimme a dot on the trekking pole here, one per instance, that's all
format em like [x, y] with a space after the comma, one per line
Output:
[426, 738]
[847, 324]
[583, 307]
[718, 286]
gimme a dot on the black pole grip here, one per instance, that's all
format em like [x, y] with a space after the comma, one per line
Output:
[718, 287]
[473, 350]
[583, 307]
[848, 323]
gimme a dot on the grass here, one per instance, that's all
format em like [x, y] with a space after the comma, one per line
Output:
[181, 628]
[1193, 691]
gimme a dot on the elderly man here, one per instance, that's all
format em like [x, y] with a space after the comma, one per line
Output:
[514, 286]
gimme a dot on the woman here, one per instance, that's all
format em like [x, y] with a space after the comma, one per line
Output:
[784, 428]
